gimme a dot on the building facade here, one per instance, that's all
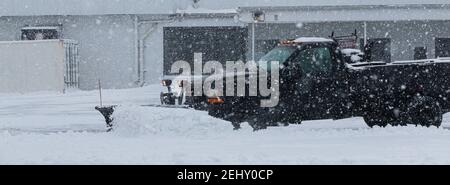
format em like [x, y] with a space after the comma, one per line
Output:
[132, 43]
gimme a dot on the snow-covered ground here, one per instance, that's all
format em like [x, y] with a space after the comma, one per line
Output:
[49, 128]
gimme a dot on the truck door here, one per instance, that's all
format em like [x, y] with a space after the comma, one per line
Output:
[316, 87]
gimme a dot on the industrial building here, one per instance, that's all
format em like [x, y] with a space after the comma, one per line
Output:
[130, 43]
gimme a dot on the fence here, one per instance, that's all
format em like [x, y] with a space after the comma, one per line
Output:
[71, 61]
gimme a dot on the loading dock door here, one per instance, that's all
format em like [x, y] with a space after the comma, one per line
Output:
[216, 43]
[442, 47]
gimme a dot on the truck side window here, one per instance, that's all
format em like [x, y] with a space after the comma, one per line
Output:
[316, 60]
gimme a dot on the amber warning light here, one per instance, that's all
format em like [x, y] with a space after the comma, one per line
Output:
[216, 100]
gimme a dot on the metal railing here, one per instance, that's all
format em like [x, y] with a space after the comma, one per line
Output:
[71, 60]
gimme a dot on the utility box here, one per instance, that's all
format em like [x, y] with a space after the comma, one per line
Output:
[39, 65]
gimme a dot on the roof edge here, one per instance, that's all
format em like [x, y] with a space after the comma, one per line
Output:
[344, 7]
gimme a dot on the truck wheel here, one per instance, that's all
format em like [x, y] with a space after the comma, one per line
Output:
[257, 124]
[425, 111]
[167, 99]
[236, 125]
[373, 120]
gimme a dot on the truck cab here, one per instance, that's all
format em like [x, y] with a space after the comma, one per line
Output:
[312, 85]
[311, 77]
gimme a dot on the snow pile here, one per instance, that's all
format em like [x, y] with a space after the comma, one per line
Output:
[138, 120]
[46, 128]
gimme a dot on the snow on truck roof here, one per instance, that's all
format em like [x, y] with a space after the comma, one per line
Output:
[312, 39]
[350, 51]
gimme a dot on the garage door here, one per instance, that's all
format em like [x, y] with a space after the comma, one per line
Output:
[216, 43]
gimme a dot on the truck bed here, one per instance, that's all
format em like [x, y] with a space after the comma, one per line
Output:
[389, 81]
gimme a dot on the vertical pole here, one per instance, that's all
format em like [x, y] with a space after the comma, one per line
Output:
[136, 48]
[141, 62]
[100, 91]
[253, 41]
[365, 33]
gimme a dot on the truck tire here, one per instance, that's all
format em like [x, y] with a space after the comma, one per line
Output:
[167, 99]
[257, 124]
[425, 111]
[236, 125]
[375, 120]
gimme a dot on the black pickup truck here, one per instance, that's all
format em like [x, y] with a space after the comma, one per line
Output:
[316, 83]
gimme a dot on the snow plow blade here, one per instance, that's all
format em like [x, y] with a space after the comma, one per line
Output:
[108, 111]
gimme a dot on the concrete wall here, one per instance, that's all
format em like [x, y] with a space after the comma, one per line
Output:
[404, 35]
[106, 45]
[31, 66]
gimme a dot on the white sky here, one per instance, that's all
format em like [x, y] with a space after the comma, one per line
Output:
[98, 7]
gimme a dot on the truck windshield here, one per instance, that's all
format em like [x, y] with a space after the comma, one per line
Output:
[314, 60]
[279, 54]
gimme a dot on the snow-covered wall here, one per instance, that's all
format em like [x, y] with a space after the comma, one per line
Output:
[107, 49]
[30, 66]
